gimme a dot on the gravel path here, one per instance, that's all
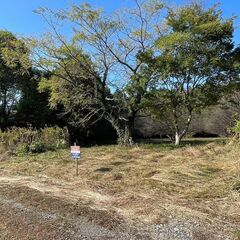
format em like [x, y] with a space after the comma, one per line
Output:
[23, 218]
[68, 228]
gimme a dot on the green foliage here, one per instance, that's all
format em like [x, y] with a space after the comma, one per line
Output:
[81, 82]
[236, 129]
[75, 85]
[194, 65]
[39, 147]
[29, 140]
[33, 106]
[22, 149]
[118, 66]
[14, 65]
[53, 138]
[14, 53]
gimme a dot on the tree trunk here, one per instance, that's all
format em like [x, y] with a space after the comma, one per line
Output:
[125, 134]
[4, 116]
[124, 130]
[177, 139]
[179, 136]
[130, 129]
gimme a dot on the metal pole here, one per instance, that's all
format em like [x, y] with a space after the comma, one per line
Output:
[75, 144]
[77, 167]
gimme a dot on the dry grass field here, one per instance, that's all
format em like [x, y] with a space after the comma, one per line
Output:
[149, 185]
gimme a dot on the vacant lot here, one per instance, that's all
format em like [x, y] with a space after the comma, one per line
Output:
[151, 191]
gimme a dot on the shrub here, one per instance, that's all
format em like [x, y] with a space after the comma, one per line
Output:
[38, 147]
[22, 149]
[54, 138]
[236, 129]
[30, 140]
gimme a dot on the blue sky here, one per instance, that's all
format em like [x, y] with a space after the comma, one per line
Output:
[17, 15]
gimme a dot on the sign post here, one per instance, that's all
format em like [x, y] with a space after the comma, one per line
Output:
[76, 154]
[77, 167]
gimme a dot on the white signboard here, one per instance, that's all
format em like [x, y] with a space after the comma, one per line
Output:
[75, 152]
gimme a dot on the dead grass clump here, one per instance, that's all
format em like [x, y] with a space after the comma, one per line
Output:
[118, 163]
[192, 152]
[237, 234]
[151, 174]
[3, 148]
[201, 235]
[208, 171]
[183, 176]
[4, 153]
[236, 186]
[117, 176]
[213, 193]
[160, 219]
[153, 156]
[5, 156]
[215, 149]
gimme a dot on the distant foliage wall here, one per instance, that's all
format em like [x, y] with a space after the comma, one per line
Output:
[214, 121]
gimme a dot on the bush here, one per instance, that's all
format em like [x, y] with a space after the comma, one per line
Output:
[236, 129]
[38, 147]
[54, 138]
[22, 149]
[30, 140]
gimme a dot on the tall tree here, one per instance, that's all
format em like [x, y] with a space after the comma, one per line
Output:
[14, 64]
[194, 66]
[113, 43]
[71, 84]
[33, 106]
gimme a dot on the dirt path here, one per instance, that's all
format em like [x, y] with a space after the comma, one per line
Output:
[34, 219]
[41, 207]
[56, 188]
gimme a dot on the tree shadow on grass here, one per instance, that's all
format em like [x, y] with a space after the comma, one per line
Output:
[103, 169]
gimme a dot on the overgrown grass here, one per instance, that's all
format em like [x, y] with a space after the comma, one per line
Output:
[154, 177]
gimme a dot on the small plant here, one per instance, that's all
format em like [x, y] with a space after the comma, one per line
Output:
[22, 149]
[37, 147]
[54, 138]
[236, 129]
